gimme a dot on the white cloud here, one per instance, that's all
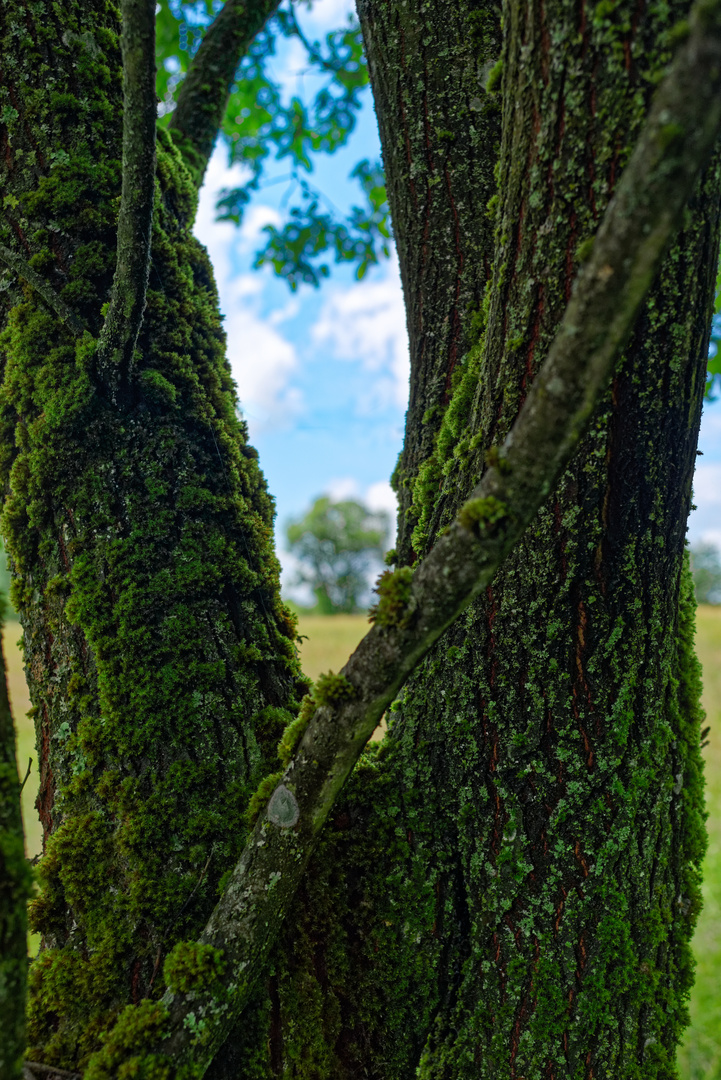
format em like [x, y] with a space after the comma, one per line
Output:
[325, 15]
[707, 485]
[366, 323]
[712, 536]
[255, 218]
[263, 362]
[381, 496]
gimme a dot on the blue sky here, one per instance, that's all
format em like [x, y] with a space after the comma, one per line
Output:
[322, 374]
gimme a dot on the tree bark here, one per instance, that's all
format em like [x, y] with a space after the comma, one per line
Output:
[160, 661]
[440, 131]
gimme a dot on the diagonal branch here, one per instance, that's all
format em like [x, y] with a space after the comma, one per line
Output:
[124, 317]
[676, 142]
[43, 288]
[203, 94]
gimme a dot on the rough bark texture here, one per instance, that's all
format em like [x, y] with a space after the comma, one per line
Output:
[160, 662]
[440, 130]
[414, 609]
[509, 888]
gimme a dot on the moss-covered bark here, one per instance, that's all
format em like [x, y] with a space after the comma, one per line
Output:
[509, 888]
[160, 661]
[440, 130]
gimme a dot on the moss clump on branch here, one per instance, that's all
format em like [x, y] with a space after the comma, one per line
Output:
[192, 966]
[394, 594]
[128, 1050]
[331, 689]
[260, 797]
[478, 515]
[296, 729]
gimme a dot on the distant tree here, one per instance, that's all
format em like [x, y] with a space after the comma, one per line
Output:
[706, 570]
[337, 544]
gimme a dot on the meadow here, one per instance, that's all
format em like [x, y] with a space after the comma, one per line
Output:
[327, 642]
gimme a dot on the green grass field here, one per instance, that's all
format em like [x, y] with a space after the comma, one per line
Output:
[327, 644]
[700, 1057]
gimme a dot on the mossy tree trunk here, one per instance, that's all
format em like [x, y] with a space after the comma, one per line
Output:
[509, 885]
[159, 658]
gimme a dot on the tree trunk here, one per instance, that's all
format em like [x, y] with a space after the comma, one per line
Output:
[440, 136]
[160, 662]
[509, 887]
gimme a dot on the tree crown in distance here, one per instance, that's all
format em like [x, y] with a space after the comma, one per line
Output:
[706, 570]
[337, 545]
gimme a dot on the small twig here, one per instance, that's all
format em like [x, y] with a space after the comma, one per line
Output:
[31, 1069]
[44, 288]
[119, 334]
[30, 764]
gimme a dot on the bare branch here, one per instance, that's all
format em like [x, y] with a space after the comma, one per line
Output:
[203, 93]
[676, 142]
[119, 334]
[27, 774]
[44, 288]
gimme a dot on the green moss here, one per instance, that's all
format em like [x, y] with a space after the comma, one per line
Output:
[191, 966]
[331, 689]
[261, 795]
[584, 250]
[394, 594]
[668, 134]
[495, 75]
[129, 1050]
[295, 731]
[478, 515]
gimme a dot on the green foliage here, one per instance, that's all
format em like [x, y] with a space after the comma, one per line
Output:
[336, 544]
[294, 250]
[259, 126]
[706, 571]
[394, 593]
